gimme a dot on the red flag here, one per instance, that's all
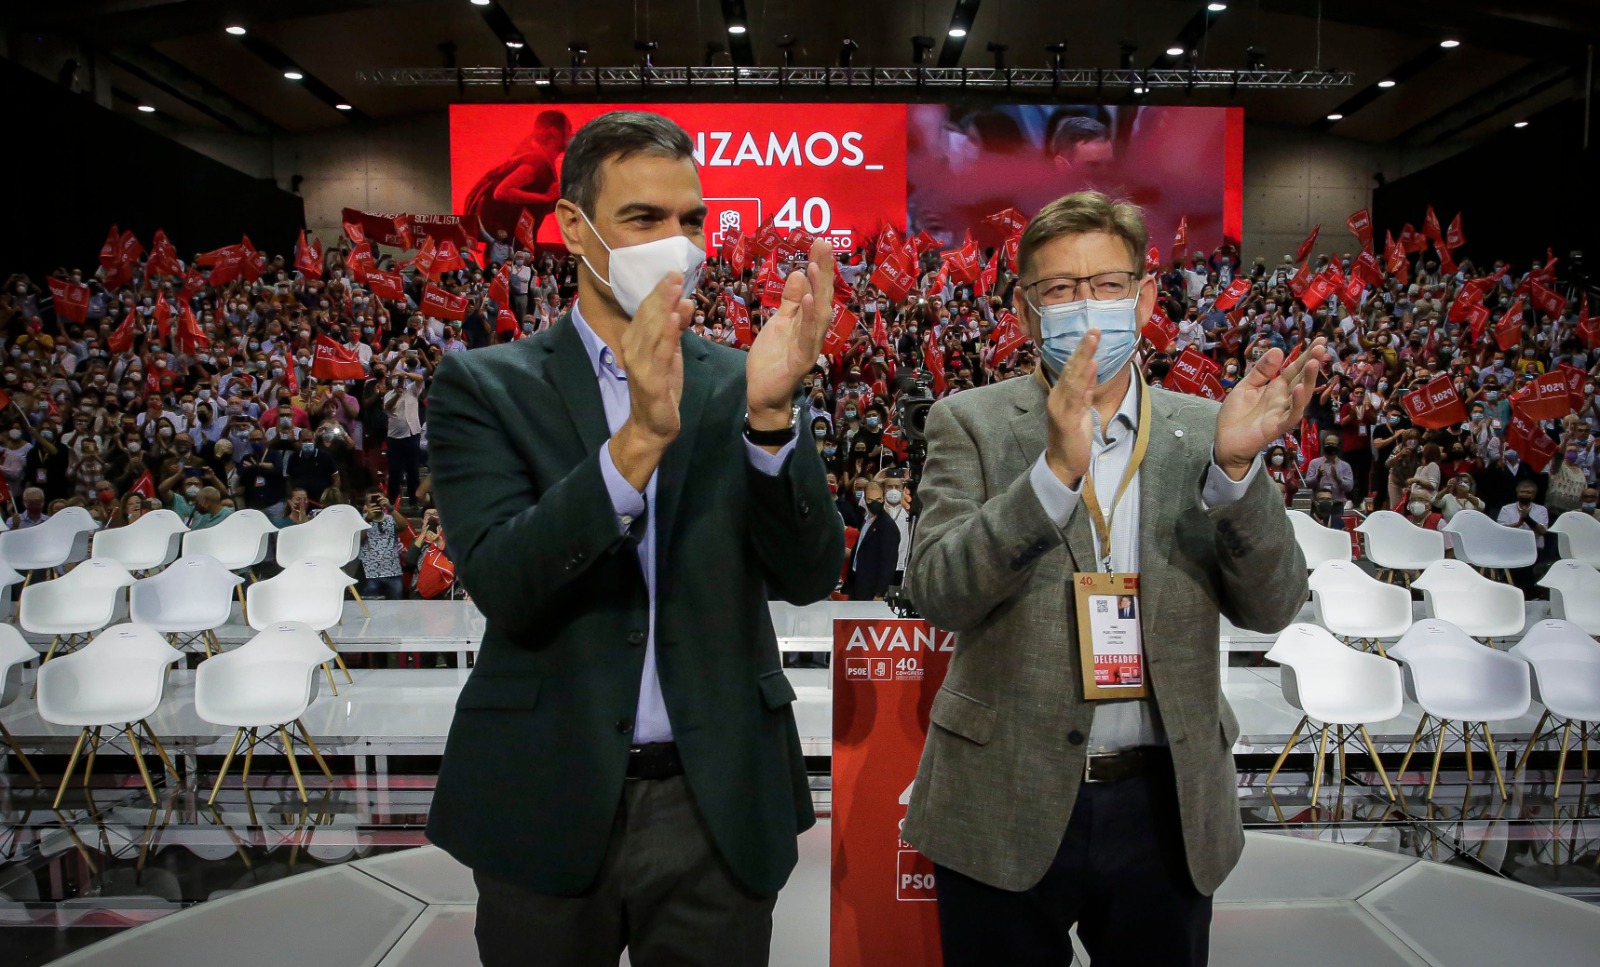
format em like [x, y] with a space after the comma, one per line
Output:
[1180, 241]
[843, 291]
[796, 246]
[439, 304]
[839, 331]
[738, 316]
[524, 230]
[225, 263]
[447, 258]
[895, 275]
[1588, 329]
[1447, 265]
[1160, 331]
[880, 331]
[1236, 290]
[1317, 292]
[925, 242]
[1508, 331]
[111, 250]
[1306, 246]
[330, 361]
[1354, 288]
[504, 321]
[1545, 273]
[1431, 229]
[163, 256]
[1007, 221]
[933, 360]
[963, 262]
[1360, 225]
[70, 299]
[500, 287]
[191, 338]
[1478, 318]
[1454, 238]
[987, 278]
[1530, 441]
[291, 379]
[1010, 250]
[1008, 337]
[145, 486]
[354, 232]
[163, 317]
[1395, 260]
[1575, 379]
[360, 262]
[1189, 371]
[1544, 398]
[730, 238]
[308, 257]
[1435, 405]
[423, 260]
[254, 264]
[1301, 280]
[765, 241]
[386, 285]
[1412, 241]
[121, 340]
[770, 282]
[1367, 267]
[1548, 301]
[1152, 259]
[739, 256]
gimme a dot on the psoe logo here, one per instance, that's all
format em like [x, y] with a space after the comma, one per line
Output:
[725, 215]
[913, 877]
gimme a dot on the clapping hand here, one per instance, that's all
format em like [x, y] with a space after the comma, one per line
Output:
[1267, 403]
[787, 347]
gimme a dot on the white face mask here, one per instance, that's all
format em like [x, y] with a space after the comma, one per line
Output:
[636, 269]
[893, 497]
[1417, 508]
[1277, 459]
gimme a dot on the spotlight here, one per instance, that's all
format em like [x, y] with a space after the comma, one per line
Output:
[1336, 116]
[1174, 51]
[480, 3]
[514, 41]
[958, 32]
[847, 51]
[921, 47]
[341, 106]
[1138, 91]
[736, 27]
[235, 30]
[1386, 84]
[147, 109]
[1449, 44]
[1520, 124]
[1216, 7]
[294, 75]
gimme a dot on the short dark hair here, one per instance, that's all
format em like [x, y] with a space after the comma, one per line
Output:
[619, 135]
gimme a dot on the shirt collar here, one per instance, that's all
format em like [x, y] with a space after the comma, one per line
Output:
[601, 358]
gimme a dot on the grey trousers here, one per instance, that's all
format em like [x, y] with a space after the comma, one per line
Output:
[663, 893]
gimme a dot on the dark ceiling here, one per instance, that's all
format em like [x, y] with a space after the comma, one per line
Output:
[1513, 60]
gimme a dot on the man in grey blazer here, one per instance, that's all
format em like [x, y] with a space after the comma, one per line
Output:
[1042, 809]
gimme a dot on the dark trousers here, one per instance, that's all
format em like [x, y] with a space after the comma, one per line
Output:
[389, 589]
[405, 465]
[1120, 875]
[663, 893]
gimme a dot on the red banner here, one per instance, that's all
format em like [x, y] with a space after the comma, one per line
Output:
[121, 338]
[447, 258]
[1431, 229]
[1306, 246]
[1007, 222]
[440, 304]
[1454, 238]
[163, 257]
[1360, 225]
[895, 275]
[526, 224]
[1317, 292]
[885, 673]
[163, 317]
[1435, 405]
[770, 282]
[1366, 266]
[1180, 239]
[1478, 319]
[963, 262]
[1530, 441]
[925, 242]
[145, 486]
[1160, 331]
[1236, 290]
[1194, 374]
[1008, 337]
[933, 359]
[191, 338]
[1010, 249]
[500, 287]
[1508, 331]
[361, 262]
[795, 246]
[331, 361]
[1301, 281]
[840, 330]
[505, 321]
[765, 241]
[1548, 301]
[1546, 398]
[1588, 329]
[1575, 378]
[308, 257]
[70, 299]
[1412, 241]
[1152, 259]
[738, 316]
[401, 229]
[386, 285]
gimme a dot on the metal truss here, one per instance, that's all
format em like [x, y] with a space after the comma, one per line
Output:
[982, 78]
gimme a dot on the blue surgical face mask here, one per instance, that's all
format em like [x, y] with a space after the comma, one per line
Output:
[1063, 326]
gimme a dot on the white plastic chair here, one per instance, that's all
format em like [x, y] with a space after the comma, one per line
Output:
[1398, 546]
[239, 541]
[311, 592]
[333, 535]
[151, 542]
[1574, 594]
[1482, 542]
[63, 537]
[192, 597]
[1352, 604]
[116, 680]
[1318, 543]
[1452, 591]
[1457, 680]
[14, 653]
[74, 605]
[265, 684]
[1337, 686]
[1578, 537]
[9, 578]
[1566, 681]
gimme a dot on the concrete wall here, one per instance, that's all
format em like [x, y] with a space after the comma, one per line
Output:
[1293, 178]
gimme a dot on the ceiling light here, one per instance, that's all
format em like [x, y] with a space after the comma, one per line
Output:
[958, 31]
[1386, 84]
[1174, 51]
[341, 107]
[480, 3]
[735, 28]
[294, 75]
[147, 109]
[1336, 117]
[514, 41]
[1216, 7]
[1520, 124]
[1138, 90]
[236, 30]
[1449, 44]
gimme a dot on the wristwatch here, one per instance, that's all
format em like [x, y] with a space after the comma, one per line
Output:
[771, 438]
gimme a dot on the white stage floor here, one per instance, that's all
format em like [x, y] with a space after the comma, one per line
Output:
[1291, 903]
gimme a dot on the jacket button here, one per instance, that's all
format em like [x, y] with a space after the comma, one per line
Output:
[635, 637]
[625, 726]
[1040, 547]
[805, 509]
[1075, 737]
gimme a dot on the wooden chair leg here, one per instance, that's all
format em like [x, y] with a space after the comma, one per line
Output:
[338, 658]
[138, 757]
[1466, 742]
[88, 764]
[249, 757]
[16, 750]
[1438, 753]
[1532, 741]
[72, 763]
[294, 766]
[1316, 772]
[1494, 760]
[160, 749]
[1410, 750]
[227, 760]
[1293, 737]
[363, 604]
[1561, 767]
[244, 609]
[315, 753]
[1377, 763]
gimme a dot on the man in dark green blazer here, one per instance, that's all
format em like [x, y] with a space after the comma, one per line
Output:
[622, 499]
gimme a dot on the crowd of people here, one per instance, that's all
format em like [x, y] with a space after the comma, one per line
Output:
[121, 413]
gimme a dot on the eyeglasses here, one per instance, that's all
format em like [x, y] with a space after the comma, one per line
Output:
[1103, 286]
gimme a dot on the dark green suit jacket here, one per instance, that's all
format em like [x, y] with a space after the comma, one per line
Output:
[535, 763]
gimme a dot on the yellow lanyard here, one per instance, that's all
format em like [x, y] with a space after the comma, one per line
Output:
[1141, 443]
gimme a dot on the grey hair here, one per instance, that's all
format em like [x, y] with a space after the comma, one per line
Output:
[619, 135]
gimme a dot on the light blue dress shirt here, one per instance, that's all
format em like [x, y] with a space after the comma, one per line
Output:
[650, 721]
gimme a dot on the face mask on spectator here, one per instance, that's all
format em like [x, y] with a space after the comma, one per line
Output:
[191, 492]
[1328, 509]
[1417, 508]
[1491, 396]
[1277, 459]
[873, 422]
[829, 451]
[893, 496]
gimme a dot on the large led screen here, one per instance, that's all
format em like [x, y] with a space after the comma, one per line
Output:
[844, 170]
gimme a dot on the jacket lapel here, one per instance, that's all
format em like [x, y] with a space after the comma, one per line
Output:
[679, 459]
[572, 374]
[1162, 485]
[1030, 428]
